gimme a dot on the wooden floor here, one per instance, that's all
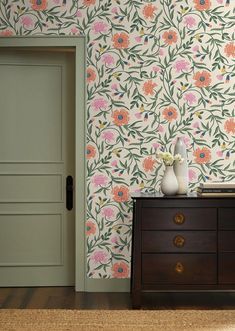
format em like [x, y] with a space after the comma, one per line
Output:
[67, 298]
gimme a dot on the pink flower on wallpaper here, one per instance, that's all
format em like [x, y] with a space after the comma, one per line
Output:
[137, 190]
[220, 77]
[114, 240]
[108, 59]
[219, 153]
[160, 128]
[108, 212]
[187, 141]
[161, 52]
[114, 87]
[79, 13]
[108, 136]
[27, 21]
[99, 104]
[156, 69]
[99, 180]
[138, 115]
[190, 98]
[195, 48]
[196, 125]
[99, 27]
[138, 39]
[190, 21]
[181, 65]
[114, 10]
[75, 30]
[99, 257]
[114, 163]
[220, 2]
[156, 145]
[192, 175]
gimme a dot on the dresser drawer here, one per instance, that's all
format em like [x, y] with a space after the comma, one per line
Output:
[179, 269]
[179, 218]
[226, 268]
[179, 241]
[226, 218]
[226, 241]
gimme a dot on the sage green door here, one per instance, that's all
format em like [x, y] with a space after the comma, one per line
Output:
[36, 156]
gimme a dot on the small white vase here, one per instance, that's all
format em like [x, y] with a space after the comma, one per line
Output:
[169, 184]
[181, 169]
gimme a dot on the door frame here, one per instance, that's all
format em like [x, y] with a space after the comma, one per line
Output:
[77, 45]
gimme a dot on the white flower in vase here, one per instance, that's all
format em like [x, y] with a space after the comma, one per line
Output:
[169, 183]
[169, 159]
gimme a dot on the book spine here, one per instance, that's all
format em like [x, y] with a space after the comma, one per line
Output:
[217, 186]
[216, 194]
[216, 190]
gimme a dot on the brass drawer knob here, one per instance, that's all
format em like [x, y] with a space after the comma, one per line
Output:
[179, 218]
[179, 241]
[179, 268]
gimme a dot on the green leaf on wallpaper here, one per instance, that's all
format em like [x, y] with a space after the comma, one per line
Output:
[198, 141]
[118, 257]
[118, 180]
[200, 65]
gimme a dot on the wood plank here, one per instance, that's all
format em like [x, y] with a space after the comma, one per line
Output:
[67, 298]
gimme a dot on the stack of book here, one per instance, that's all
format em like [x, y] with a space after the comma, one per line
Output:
[213, 188]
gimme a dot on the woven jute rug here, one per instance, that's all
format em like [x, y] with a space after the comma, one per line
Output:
[113, 320]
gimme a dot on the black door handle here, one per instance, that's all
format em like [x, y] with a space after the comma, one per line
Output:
[69, 192]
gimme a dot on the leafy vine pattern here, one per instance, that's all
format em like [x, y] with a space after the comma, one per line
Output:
[155, 70]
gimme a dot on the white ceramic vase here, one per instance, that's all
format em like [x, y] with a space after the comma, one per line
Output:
[181, 169]
[169, 184]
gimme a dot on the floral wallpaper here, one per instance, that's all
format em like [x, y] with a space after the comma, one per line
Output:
[156, 70]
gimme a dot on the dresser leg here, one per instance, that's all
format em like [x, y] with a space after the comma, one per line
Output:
[136, 299]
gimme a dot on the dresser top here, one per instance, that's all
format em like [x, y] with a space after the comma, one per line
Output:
[189, 195]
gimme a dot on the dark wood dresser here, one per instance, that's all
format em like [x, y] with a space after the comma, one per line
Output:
[182, 243]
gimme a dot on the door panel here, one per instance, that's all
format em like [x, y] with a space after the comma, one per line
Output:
[36, 156]
[33, 105]
[49, 188]
[28, 232]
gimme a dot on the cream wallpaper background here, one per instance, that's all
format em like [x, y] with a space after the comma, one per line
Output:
[156, 70]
